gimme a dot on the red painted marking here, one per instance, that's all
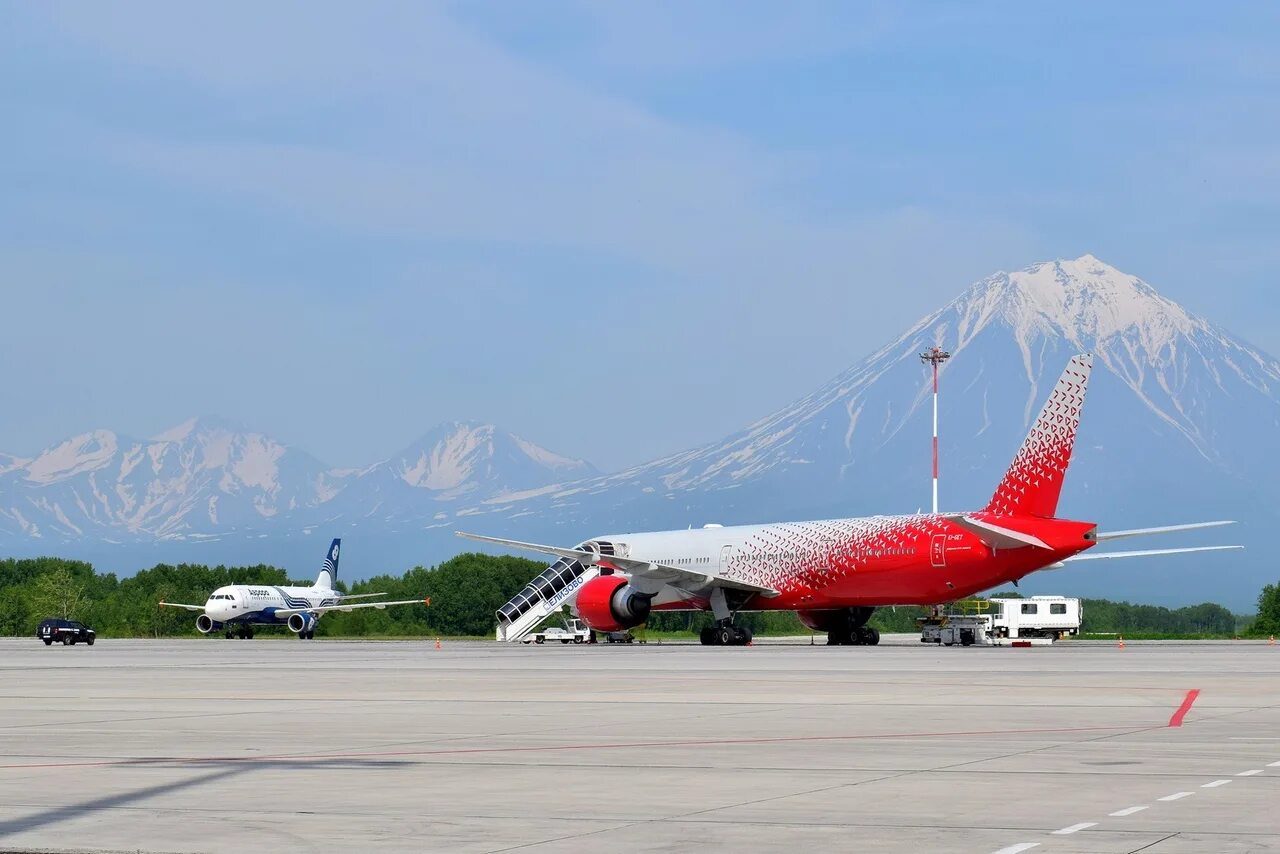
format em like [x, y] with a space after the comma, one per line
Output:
[1187, 702]
[285, 757]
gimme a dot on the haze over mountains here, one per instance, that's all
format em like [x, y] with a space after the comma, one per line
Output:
[1180, 426]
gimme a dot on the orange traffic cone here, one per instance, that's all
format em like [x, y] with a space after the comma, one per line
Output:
[437, 643]
[1120, 645]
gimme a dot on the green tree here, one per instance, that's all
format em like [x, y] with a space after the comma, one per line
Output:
[58, 594]
[1268, 619]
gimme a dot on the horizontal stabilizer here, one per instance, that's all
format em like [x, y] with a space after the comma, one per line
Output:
[1167, 529]
[996, 535]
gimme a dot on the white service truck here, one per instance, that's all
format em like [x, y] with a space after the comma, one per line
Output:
[1038, 617]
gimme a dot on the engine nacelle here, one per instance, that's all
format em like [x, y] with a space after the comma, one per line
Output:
[607, 603]
[301, 622]
[205, 624]
[826, 621]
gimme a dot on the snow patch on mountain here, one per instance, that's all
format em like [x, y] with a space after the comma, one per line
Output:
[76, 455]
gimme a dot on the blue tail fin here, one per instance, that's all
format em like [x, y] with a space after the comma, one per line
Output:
[329, 572]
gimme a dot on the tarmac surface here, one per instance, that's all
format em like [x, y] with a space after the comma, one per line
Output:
[214, 745]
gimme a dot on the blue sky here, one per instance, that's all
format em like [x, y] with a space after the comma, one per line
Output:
[342, 224]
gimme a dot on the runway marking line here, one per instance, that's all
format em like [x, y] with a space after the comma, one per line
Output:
[1065, 831]
[1176, 796]
[1187, 702]
[1215, 784]
[1250, 773]
[1273, 764]
[1019, 848]
[1128, 811]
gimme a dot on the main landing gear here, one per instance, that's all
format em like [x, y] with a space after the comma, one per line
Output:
[853, 636]
[849, 628]
[725, 634]
[243, 632]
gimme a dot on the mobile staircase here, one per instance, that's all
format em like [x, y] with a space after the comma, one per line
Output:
[556, 585]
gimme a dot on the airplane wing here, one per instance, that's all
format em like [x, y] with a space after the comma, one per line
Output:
[346, 596]
[180, 605]
[324, 609]
[648, 576]
[1167, 529]
[1144, 553]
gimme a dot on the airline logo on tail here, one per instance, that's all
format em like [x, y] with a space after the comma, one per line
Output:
[329, 571]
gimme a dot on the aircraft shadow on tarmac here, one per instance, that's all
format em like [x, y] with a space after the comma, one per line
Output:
[225, 769]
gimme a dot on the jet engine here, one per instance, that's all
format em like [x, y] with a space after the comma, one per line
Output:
[607, 603]
[302, 623]
[204, 624]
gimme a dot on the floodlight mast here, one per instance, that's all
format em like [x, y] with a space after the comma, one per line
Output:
[935, 356]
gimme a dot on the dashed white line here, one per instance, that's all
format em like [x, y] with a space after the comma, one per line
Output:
[1074, 828]
[1128, 811]
[1249, 773]
[1273, 764]
[1020, 847]
[1215, 784]
[1176, 796]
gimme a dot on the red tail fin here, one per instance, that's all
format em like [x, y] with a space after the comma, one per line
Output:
[1034, 480]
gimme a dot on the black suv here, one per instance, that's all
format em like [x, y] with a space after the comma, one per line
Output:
[67, 631]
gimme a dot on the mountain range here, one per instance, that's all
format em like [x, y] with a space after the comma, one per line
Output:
[1179, 426]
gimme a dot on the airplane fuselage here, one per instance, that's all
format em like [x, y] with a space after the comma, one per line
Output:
[257, 603]
[839, 563]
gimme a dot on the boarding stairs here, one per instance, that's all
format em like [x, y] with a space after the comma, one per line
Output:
[555, 586]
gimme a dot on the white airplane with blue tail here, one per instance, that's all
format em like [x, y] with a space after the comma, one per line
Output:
[237, 608]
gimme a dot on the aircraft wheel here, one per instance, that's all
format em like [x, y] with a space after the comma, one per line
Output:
[744, 637]
[726, 636]
[707, 637]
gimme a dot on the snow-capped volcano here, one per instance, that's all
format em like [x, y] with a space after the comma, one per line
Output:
[457, 462]
[459, 458]
[202, 476]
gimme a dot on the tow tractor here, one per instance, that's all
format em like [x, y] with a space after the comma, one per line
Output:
[572, 632]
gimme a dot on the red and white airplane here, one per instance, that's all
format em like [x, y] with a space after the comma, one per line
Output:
[835, 573]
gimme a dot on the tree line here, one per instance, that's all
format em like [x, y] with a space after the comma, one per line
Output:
[465, 591]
